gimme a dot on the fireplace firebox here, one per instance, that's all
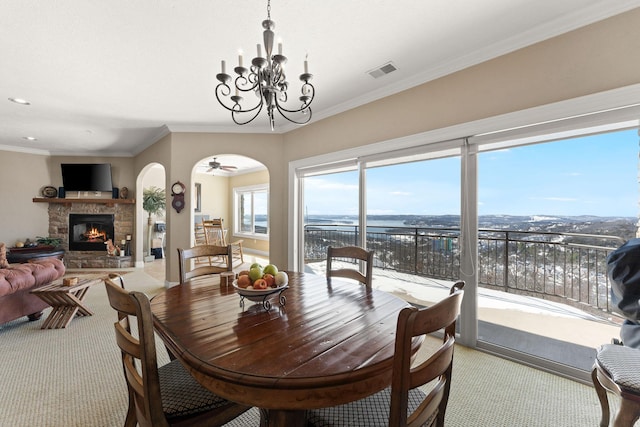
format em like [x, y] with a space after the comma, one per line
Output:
[90, 232]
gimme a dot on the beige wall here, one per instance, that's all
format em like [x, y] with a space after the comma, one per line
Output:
[22, 177]
[215, 196]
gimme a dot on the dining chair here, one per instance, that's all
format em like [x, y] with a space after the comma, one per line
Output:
[352, 253]
[130, 419]
[617, 370]
[117, 278]
[186, 255]
[216, 234]
[403, 403]
[166, 395]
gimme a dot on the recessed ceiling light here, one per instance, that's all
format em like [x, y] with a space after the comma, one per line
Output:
[30, 138]
[20, 101]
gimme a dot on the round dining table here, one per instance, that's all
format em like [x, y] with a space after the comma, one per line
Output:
[326, 343]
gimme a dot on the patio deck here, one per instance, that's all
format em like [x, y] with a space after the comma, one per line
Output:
[545, 329]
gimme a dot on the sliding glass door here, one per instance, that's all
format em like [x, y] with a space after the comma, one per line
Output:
[413, 227]
[331, 215]
[526, 217]
[549, 214]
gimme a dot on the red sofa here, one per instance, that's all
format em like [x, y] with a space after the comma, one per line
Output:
[16, 282]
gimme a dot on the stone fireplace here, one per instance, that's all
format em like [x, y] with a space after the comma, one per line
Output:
[111, 218]
[90, 232]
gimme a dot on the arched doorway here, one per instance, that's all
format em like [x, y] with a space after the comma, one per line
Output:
[236, 189]
[150, 229]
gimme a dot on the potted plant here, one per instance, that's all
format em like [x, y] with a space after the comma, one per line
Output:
[153, 201]
[48, 241]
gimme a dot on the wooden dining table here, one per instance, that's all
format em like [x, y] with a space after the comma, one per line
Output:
[331, 342]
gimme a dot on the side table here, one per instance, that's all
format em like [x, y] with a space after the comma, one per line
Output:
[66, 301]
[21, 255]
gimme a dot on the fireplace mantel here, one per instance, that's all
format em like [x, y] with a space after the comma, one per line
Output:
[109, 202]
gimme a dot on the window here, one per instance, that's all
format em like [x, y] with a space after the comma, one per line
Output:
[251, 211]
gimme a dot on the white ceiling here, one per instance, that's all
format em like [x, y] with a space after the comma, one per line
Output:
[111, 77]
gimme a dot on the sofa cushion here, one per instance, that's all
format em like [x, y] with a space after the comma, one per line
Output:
[15, 277]
[3, 256]
[46, 270]
[30, 274]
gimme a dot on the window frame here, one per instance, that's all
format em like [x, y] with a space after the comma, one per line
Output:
[237, 193]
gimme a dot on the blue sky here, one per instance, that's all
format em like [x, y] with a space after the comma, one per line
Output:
[595, 175]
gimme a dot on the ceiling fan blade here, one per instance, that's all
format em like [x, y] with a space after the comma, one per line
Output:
[228, 168]
[209, 170]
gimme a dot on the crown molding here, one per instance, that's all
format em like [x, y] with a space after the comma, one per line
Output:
[25, 150]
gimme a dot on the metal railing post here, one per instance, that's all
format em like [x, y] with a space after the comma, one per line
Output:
[415, 251]
[505, 279]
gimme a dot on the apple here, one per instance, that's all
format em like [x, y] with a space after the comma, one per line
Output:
[271, 281]
[255, 264]
[244, 281]
[281, 278]
[270, 269]
[260, 284]
[255, 273]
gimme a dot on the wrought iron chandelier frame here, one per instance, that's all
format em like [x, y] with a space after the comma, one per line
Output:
[267, 79]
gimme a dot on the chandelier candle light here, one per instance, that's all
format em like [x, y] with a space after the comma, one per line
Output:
[267, 79]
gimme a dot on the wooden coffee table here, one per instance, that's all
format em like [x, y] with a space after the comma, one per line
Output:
[66, 301]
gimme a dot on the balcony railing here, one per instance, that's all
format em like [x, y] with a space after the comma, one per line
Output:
[565, 267]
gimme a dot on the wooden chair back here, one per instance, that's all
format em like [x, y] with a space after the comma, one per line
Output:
[123, 319]
[140, 351]
[214, 232]
[199, 236]
[353, 253]
[414, 322]
[185, 256]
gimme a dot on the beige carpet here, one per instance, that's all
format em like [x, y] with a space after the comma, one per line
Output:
[73, 377]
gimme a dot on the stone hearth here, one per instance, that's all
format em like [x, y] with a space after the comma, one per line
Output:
[123, 225]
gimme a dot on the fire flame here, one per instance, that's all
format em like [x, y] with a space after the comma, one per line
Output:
[94, 234]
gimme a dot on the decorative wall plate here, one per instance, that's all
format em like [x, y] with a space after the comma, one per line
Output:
[49, 192]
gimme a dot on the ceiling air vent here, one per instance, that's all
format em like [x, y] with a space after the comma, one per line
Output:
[382, 70]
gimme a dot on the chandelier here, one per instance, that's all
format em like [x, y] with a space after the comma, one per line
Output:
[266, 78]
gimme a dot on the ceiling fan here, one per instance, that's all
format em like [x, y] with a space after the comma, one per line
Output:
[213, 165]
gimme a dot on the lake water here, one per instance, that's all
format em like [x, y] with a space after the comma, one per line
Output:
[347, 221]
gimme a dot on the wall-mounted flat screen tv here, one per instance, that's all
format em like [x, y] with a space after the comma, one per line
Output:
[86, 176]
